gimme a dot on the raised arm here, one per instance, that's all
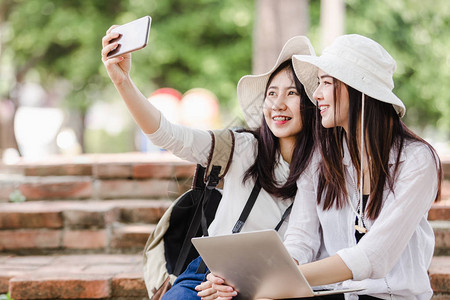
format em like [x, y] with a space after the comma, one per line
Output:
[186, 143]
[118, 68]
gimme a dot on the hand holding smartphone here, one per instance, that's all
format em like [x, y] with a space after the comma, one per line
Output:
[133, 36]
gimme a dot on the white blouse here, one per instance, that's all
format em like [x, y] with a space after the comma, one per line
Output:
[392, 259]
[194, 145]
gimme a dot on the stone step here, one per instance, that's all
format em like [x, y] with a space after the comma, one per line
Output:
[115, 165]
[110, 176]
[441, 230]
[439, 273]
[98, 276]
[97, 176]
[440, 211]
[111, 226]
[93, 276]
[95, 213]
[84, 187]
[120, 238]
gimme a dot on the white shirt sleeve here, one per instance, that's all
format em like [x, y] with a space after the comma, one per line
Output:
[303, 235]
[187, 143]
[414, 191]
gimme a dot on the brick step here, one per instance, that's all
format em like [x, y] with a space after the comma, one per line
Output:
[115, 165]
[441, 230]
[97, 176]
[111, 226]
[113, 276]
[94, 276]
[119, 238]
[440, 211]
[84, 187]
[439, 273]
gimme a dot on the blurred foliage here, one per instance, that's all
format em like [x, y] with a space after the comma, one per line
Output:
[195, 43]
[417, 35]
[207, 43]
[101, 141]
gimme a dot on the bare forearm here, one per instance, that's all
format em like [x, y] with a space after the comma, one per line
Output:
[325, 271]
[144, 113]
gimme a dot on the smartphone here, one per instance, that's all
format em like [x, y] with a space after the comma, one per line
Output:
[133, 36]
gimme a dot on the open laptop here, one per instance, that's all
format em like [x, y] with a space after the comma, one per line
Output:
[257, 264]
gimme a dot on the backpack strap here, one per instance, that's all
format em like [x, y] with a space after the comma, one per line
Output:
[286, 213]
[248, 207]
[219, 160]
[221, 152]
[198, 218]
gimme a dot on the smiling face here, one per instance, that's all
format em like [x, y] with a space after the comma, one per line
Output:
[282, 107]
[334, 112]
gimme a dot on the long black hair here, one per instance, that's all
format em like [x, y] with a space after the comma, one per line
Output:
[263, 170]
[386, 132]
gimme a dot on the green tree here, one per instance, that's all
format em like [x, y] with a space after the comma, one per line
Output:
[195, 43]
[417, 34]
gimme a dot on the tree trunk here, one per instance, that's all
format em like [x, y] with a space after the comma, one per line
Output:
[275, 23]
[332, 20]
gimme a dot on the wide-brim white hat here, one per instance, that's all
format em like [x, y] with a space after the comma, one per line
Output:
[251, 88]
[357, 61]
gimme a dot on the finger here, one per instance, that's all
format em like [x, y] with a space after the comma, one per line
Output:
[111, 28]
[207, 292]
[112, 61]
[210, 297]
[215, 279]
[107, 38]
[204, 285]
[107, 50]
[223, 288]
[223, 295]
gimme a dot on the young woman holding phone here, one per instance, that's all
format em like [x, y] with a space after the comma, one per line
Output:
[274, 153]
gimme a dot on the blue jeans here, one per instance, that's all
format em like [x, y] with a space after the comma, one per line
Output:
[184, 286]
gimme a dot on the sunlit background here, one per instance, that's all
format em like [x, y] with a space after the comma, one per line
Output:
[56, 98]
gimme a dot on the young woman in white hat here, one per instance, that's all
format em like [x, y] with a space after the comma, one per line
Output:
[365, 203]
[274, 153]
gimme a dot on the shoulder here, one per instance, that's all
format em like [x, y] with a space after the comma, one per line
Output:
[418, 151]
[417, 156]
[244, 140]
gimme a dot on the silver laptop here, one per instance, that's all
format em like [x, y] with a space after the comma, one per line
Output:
[257, 264]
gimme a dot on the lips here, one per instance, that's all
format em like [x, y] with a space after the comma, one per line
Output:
[281, 118]
[323, 108]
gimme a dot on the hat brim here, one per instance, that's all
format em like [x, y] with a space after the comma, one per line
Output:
[306, 68]
[251, 88]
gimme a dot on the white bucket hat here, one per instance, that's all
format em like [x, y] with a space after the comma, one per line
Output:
[358, 62]
[251, 88]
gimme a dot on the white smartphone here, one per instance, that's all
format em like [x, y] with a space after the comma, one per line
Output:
[133, 36]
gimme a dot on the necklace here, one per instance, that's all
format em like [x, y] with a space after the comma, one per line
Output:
[358, 211]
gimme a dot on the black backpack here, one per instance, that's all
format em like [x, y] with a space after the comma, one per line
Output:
[169, 250]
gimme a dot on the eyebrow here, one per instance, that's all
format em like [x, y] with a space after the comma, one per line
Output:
[276, 87]
[324, 76]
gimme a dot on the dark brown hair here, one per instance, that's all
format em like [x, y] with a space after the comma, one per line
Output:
[263, 170]
[386, 132]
